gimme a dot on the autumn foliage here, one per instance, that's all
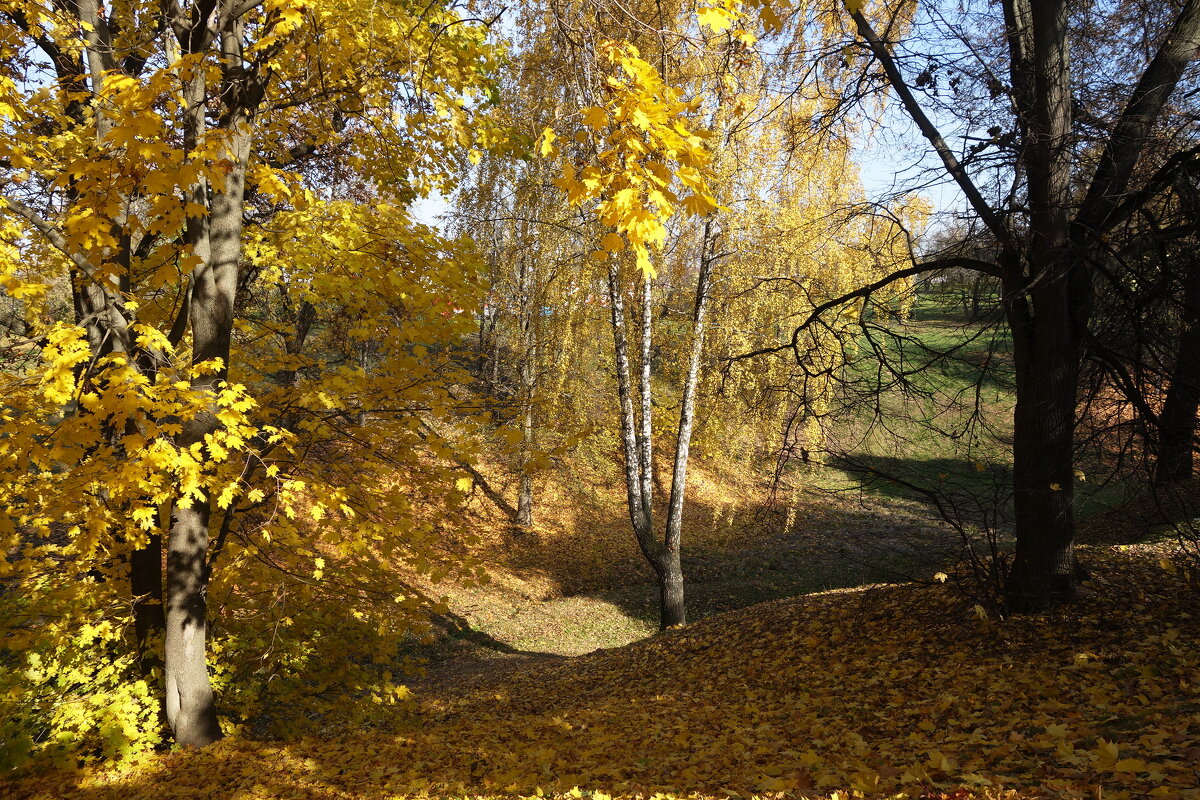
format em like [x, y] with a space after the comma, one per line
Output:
[251, 405]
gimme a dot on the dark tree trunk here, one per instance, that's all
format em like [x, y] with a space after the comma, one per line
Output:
[1045, 265]
[1177, 424]
[146, 586]
[1048, 311]
[1043, 572]
[671, 610]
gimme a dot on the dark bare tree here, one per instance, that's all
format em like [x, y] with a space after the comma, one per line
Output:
[1050, 230]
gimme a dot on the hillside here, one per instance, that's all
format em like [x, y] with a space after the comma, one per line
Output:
[869, 692]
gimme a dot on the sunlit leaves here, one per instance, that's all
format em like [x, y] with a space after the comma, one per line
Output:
[105, 189]
[643, 128]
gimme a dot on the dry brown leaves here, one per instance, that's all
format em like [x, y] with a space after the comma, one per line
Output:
[902, 691]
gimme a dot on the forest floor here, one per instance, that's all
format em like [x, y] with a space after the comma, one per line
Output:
[889, 691]
[576, 583]
[809, 670]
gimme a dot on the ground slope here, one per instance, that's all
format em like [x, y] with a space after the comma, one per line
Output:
[897, 689]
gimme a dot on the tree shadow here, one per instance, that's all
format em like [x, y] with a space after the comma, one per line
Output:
[741, 553]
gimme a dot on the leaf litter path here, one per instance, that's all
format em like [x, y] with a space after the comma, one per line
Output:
[895, 690]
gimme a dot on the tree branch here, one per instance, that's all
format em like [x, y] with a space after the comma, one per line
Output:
[957, 171]
[949, 262]
[1132, 130]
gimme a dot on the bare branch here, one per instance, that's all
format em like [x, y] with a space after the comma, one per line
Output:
[930, 132]
[1133, 128]
[950, 262]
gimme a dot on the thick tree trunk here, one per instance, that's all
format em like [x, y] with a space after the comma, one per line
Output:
[216, 242]
[671, 610]
[1048, 304]
[1044, 570]
[1177, 424]
[191, 709]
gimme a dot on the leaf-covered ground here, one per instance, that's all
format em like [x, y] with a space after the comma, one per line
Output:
[878, 692]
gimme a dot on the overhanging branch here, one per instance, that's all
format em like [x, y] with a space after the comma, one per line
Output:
[951, 262]
[955, 167]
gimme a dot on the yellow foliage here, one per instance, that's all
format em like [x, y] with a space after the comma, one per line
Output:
[650, 130]
[313, 456]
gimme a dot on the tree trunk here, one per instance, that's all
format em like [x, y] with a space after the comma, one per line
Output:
[216, 243]
[1045, 265]
[528, 375]
[1048, 306]
[671, 576]
[1177, 424]
[639, 506]
[1044, 570]
[671, 610]
[976, 298]
[191, 709]
[636, 447]
[663, 556]
[525, 489]
[146, 586]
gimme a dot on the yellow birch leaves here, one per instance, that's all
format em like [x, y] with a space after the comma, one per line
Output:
[638, 158]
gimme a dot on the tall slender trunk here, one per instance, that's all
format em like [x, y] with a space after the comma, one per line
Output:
[673, 611]
[638, 488]
[646, 409]
[528, 391]
[664, 556]
[639, 508]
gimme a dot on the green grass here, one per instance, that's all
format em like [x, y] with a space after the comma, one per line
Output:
[946, 427]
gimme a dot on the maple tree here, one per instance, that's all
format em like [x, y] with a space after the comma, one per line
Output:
[161, 164]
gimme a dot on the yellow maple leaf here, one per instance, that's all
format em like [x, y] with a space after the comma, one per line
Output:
[699, 205]
[595, 117]
[612, 243]
[547, 147]
[715, 18]
[1107, 755]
